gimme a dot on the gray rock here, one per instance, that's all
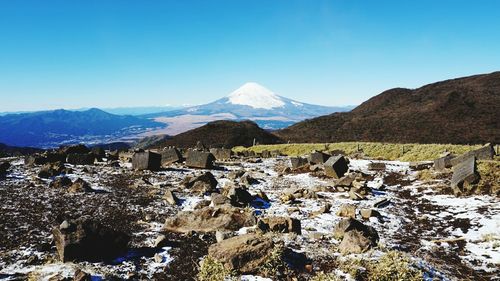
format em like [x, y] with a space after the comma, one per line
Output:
[221, 153]
[464, 175]
[280, 225]
[199, 159]
[318, 158]
[80, 159]
[146, 161]
[170, 155]
[336, 166]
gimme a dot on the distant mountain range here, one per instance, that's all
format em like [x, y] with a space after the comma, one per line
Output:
[249, 102]
[461, 111]
[53, 128]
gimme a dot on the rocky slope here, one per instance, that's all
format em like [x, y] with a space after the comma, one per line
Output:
[462, 111]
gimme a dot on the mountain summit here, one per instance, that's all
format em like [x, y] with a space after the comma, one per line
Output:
[255, 95]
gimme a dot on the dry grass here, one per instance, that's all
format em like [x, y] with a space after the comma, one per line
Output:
[490, 177]
[326, 277]
[213, 270]
[388, 151]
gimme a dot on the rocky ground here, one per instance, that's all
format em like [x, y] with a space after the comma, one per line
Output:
[164, 213]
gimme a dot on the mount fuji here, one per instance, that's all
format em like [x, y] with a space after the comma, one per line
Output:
[251, 101]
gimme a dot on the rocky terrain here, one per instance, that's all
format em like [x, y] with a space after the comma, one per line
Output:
[80, 214]
[442, 112]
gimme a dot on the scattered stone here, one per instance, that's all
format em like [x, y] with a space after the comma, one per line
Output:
[244, 253]
[464, 176]
[354, 195]
[80, 159]
[146, 161]
[80, 186]
[81, 276]
[297, 162]
[35, 160]
[323, 210]
[346, 181]
[160, 241]
[347, 210]
[235, 174]
[336, 166]
[199, 159]
[210, 219]
[280, 224]
[382, 203]
[318, 157]
[51, 170]
[356, 236]
[170, 155]
[247, 179]
[205, 183]
[87, 240]
[60, 182]
[239, 197]
[376, 166]
[368, 213]
[170, 198]
[222, 235]
[219, 199]
[221, 153]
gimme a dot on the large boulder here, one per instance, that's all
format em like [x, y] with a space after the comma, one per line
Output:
[146, 160]
[336, 166]
[85, 239]
[205, 183]
[221, 153]
[356, 236]
[80, 159]
[464, 176]
[244, 253]
[209, 219]
[78, 149]
[170, 155]
[280, 224]
[239, 197]
[200, 159]
[318, 158]
[4, 166]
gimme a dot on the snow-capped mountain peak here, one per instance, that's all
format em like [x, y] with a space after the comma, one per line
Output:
[256, 96]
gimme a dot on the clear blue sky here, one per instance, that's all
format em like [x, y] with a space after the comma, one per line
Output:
[71, 54]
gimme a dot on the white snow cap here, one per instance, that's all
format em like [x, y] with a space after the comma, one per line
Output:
[256, 96]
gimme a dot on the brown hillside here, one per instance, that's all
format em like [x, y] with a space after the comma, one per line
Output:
[461, 111]
[222, 134]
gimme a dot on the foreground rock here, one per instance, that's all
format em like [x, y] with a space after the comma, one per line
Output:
[356, 237]
[210, 219]
[205, 183]
[88, 240]
[280, 225]
[244, 254]
[336, 166]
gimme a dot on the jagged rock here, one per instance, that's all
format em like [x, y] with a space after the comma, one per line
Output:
[221, 153]
[205, 183]
[346, 181]
[443, 162]
[280, 224]
[368, 213]
[222, 235]
[356, 236]
[347, 210]
[239, 197]
[317, 157]
[81, 276]
[297, 162]
[464, 176]
[87, 240]
[170, 155]
[60, 182]
[4, 166]
[336, 166]
[160, 241]
[210, 219]
[51, 170]
[199, 159]
[376, 166]
[146, 161]
[247, 179]
[219, 199]
[244, 253]
[80, 159]
[80, 186]
[170, 197]
[323, 210]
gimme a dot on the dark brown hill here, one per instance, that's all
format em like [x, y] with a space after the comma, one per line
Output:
[464, 110]
[221, 134]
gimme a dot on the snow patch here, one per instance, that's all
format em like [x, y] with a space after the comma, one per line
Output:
[256, 96]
